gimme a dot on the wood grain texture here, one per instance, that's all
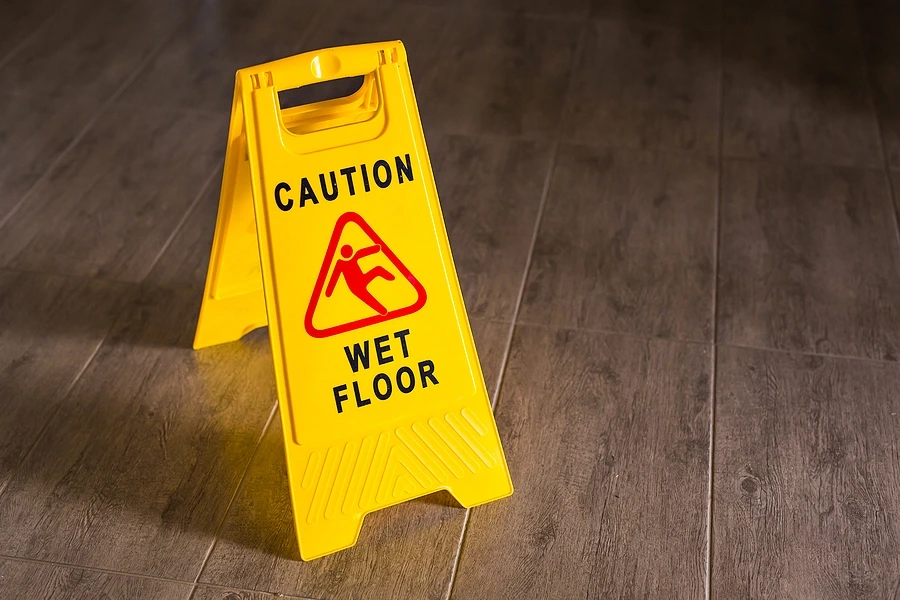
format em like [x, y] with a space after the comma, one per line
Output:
[115, 199]
[186, 260]
[196, 68]
[795, 85]
[642, 85]
[205, 592]
[49, 328]
[490, 191]
[499, 74]
[90, 47]
[879, 23]
[33, 133]
[809, 260]
[22, 580]
[807, 477]
[406, 551]
[18, 20]
[626, 244]
[135, 471]
[607, 439]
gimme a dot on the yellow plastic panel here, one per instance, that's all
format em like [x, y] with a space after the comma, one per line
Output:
[381, 393]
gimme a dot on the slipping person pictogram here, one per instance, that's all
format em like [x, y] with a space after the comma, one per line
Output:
[357, 281]
[342, 261]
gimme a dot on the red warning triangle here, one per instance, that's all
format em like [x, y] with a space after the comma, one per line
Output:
[347, 272]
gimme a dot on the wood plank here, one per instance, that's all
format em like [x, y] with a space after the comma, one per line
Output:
[34, 132]
[18, 20]
[807, 483]
[642, 85]
[809, 260]
[89, 48]
[406, 551]
[196, 68]
[61, 77]
[21, 579]
[499, 74]
[795, 85]
[880, 22]
[490, 191]
[205, 592]
[114, 200]
[186, 261]
[626, 244]
[136, 470]
[49, 328]
[895, 182]
[607, 439]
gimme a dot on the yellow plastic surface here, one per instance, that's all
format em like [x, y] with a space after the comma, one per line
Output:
[381, 392]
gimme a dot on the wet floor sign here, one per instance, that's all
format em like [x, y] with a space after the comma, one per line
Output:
[329, 230]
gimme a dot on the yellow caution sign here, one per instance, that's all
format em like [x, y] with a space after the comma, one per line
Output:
[330, 230]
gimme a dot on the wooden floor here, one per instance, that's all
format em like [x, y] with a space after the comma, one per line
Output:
[676, 230]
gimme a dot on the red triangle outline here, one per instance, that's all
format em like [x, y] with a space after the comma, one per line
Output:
[352, 217]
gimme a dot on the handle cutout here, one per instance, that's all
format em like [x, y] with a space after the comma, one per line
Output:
[327, 104]
[322, 91]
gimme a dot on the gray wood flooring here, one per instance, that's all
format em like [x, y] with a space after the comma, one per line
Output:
[676, 229]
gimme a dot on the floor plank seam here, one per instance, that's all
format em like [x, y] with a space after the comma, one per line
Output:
[181, 223]
[54, 165]
[604, 331]
[237, 490]
[252, 590]
[63, 396]
[650, 338]
[65, 565]
[714, 354]
[173, 286]
[27, 39]
[194, 585]
[879, 361]
[545, 193]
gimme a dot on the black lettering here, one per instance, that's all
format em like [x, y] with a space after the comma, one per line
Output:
[382, 183]
[404, 169]
[381, 348]
[348, 173]
[359, 355]
[339, 397]
[387, 383]
[359, 401]
[412, 380]
[306, 193]
[334, 189]
[283, 205]
[426, 371]
[401, 335]
[365, 175]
